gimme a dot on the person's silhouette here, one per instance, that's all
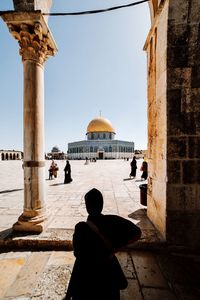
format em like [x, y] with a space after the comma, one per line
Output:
[97, 274]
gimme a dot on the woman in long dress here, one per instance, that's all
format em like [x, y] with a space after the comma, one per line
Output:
[133, 167]
[67, 171]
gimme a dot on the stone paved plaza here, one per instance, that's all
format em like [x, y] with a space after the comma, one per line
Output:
[41, 275]
[65, 202]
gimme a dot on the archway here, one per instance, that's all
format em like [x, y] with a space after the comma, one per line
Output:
[173, 112]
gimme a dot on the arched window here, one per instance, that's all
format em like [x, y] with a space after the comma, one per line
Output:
[91, 149]
[104, 136]
[110, 149]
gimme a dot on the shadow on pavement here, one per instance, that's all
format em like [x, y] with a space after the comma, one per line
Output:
[10, 191]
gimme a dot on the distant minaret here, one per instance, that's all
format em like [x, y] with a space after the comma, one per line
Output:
[100, 113]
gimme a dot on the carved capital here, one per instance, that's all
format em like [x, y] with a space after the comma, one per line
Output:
[34, 44]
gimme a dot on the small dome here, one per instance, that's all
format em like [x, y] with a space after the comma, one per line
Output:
[55, 149]
[100, 125]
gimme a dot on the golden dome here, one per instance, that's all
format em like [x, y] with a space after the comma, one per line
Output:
[100, 125]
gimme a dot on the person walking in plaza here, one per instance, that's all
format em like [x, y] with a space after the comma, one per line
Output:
[133, 167]
[67, 171]
[144, 169]
[97, 274]
[51, 169]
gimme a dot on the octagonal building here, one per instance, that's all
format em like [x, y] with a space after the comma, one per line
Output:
[100, 143]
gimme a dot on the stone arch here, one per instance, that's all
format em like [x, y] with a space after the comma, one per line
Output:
[2, 156]
[6, 156]
[174, 120]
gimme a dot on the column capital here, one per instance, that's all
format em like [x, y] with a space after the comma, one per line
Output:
[33, 35]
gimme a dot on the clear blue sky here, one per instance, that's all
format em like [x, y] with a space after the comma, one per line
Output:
[100, 65]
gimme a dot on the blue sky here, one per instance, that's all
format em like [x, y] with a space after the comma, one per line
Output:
[100, 65]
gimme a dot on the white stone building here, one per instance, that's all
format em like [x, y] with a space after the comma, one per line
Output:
[11, 155]
[100, 143]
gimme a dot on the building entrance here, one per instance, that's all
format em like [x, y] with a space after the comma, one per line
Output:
[100, 155]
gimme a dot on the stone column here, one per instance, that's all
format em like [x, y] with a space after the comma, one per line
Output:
[36, 44]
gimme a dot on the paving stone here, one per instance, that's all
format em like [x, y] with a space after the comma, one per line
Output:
[147, 270]
[126, 264]
[52, 285]
[132, 292]
[9, 268]
[158, 294]
[28, 275]
[187, 292]
[61, 258]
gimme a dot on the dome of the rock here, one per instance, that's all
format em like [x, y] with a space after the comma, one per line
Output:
[100, 124]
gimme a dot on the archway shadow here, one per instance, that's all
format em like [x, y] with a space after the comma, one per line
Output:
[150, 234]
[10, 191]
[138, 214]
[56, 184]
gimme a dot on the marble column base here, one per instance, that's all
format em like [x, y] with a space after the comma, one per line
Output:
[32, 224]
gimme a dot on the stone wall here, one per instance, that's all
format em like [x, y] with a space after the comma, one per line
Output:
[156, 46]
[183, 124]
[173, 51]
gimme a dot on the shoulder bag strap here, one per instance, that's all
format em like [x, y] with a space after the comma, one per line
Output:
[106, 242]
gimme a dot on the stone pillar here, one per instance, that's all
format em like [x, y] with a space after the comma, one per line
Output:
[36, 44]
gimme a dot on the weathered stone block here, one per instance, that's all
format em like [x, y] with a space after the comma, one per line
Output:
[177, 56]
[195, 77]
[178, 12]
[174, 101]
[194, 11]
[190, 100]
[183, 229]
[178, 34]
[30, 5]
[175, 197]
[191, 171]
[194, 147]
[181, 197]
[182, 124]
[177, 147]
[174, 171]
[178, 77]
